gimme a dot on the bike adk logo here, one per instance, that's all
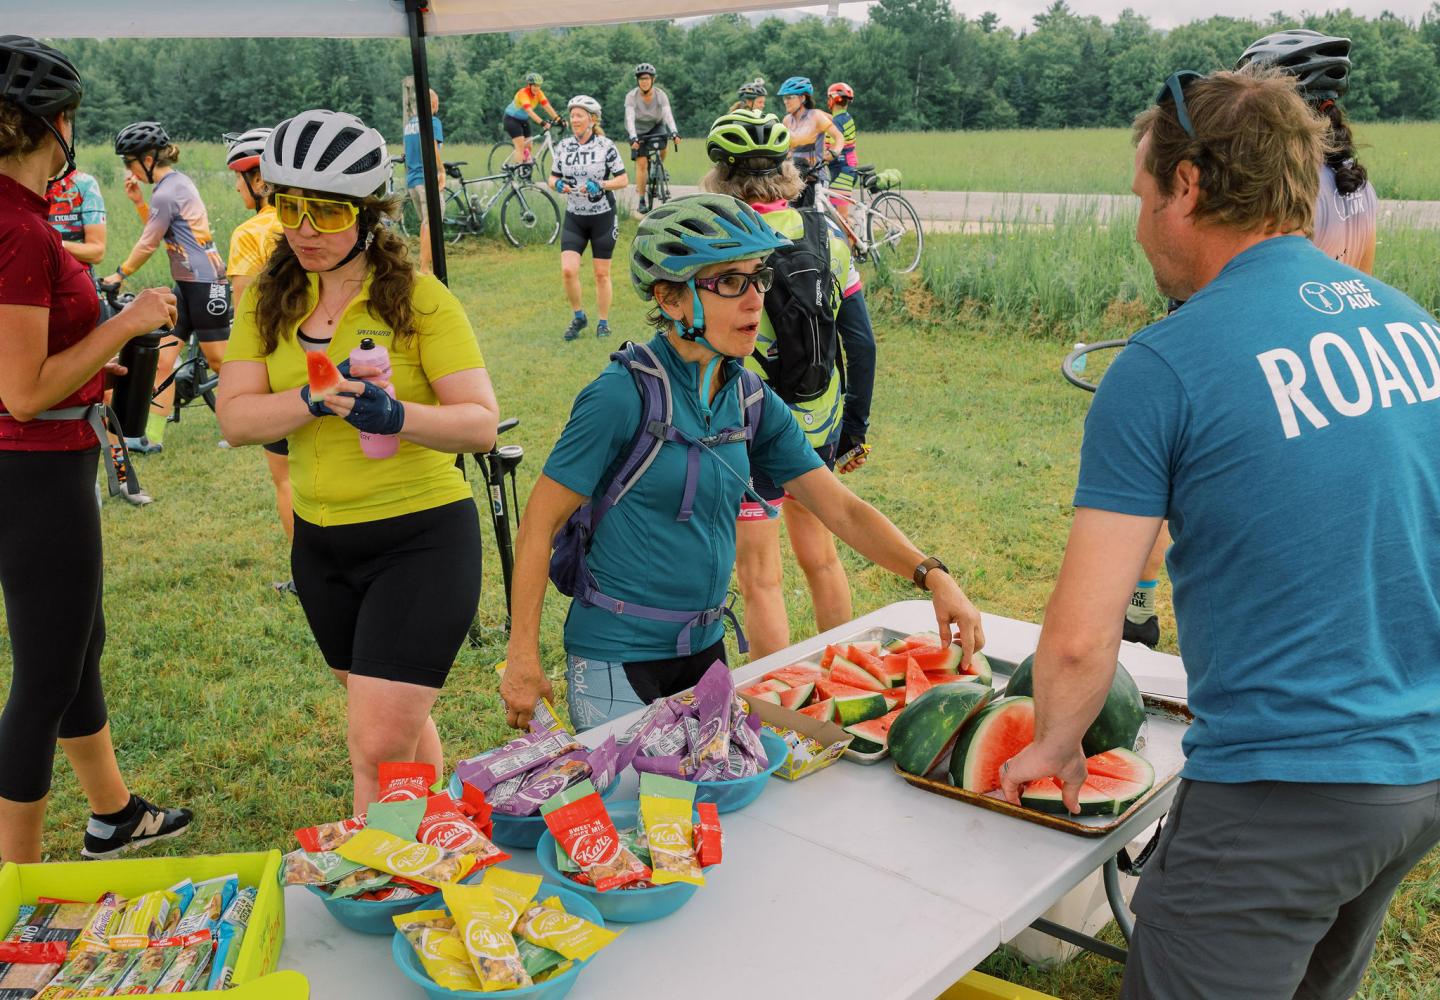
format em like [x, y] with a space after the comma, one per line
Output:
[1332, 298]
[218, 304]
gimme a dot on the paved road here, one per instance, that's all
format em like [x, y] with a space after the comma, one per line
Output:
[965, 210]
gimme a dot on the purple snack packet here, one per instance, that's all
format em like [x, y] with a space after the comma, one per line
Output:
[544, 783]
[524, 753]
[714, 698]
[748, 739]
[664, 740]
[604, 763]
[674, 766]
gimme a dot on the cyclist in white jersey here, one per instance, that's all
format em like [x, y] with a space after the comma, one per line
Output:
[648, 119]
[587, 171]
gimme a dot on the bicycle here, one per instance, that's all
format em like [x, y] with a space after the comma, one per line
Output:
[891, 226]
[496, 465]
[657, 181]
[1079, 363]
[502, 154]
[528, 215]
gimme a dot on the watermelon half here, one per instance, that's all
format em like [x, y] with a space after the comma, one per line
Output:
[324, 376]
[1120, 719]
[850, 709]
[927, 727]
[872, 736]
[847, 672]
[1000, 732]
[797, 696]
[1103, 794]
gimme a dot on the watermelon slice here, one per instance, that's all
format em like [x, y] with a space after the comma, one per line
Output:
[873, 648]
[850, 709]
[821, 710]
[765, 687]
[773, 697]
[797, 696]
[895, 665]
[1104, 794]
[325, 378]
[834, 689]
[894, 697]
[875, 732]
[828, 657]
[847, 672]
[795, 674]
[997, 734]
[1127, 765]
[934, 658]
[871, 664]
[916, 683]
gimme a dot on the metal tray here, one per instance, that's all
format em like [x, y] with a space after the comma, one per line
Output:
[882, 636]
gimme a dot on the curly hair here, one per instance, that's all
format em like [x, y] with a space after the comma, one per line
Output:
[782, 185]
[282, 289]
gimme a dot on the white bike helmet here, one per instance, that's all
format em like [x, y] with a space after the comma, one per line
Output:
[243, 151]
[327, 151]
[584, 101]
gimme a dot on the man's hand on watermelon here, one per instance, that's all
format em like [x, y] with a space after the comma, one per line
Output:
[1042, 760]
[952, 607]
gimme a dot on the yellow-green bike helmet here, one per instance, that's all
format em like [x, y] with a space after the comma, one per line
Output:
[748, 139]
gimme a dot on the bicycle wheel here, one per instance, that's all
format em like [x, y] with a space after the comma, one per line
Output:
[500, 154]
[456, 216]
[529, 217]
[409, 221]
[892, 228]
[1085, 366]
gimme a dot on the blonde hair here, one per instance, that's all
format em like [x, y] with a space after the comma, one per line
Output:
[782, 185]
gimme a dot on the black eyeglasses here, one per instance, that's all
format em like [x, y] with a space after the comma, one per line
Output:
[733, 284]
[1175, 87]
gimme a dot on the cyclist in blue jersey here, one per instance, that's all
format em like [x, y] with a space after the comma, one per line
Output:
[415, 174]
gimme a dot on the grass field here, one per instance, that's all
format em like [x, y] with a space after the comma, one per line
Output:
[220, 700]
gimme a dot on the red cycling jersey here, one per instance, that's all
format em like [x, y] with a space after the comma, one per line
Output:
[35, 270]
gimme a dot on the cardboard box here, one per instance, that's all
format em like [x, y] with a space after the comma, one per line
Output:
[827, 734]
[255, 976]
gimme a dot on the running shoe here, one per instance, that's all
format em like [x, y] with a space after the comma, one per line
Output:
[1147, 633]
[142, 445]
[146, 824]
[576, 325]
[285, 587]
[643, 206]
[602, 329]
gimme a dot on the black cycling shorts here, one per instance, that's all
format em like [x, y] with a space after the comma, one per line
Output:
[281, 447]
[656, 132]
[515, 127]
[598, 231]
[774, 493]
[392, 598]
[204, 307]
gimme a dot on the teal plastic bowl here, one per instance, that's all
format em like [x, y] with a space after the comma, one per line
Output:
[369, 916]
[731, 795]
[552, 989]
[621, 906]
[516, 831]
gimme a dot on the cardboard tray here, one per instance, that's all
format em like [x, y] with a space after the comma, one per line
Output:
[827, 734]
[255, 975]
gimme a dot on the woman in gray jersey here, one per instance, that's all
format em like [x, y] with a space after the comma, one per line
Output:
[588, 171]
[648, 118]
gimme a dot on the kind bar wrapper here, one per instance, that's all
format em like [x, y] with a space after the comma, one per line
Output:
[417, 862]
[108, 974]
[541, 785]
[709, 837]
[564, 933]
[401, 781]
[513, 891]
[586, 832]
[314, 868]
[146, 972]
[187, 971]
[446, 826]
[328, 836]
[480, 920]
[524, 753]
[72, 975]
[96, 935]
[666, 809]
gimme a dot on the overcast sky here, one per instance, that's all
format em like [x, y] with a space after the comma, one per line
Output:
[1162, 13]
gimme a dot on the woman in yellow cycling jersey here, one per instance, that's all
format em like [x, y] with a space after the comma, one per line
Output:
[520, 112]
[386, 554]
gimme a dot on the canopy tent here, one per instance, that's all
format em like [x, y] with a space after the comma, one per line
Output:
[348, 19]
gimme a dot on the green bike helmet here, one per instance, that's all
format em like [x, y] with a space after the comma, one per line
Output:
[745, 136]
[679, 239]
[534, 79]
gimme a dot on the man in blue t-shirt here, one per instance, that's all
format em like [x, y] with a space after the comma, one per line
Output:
[1290, 413]
[415, 173]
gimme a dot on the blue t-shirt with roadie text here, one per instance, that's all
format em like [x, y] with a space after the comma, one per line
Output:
[414, 165]
[1287, 421]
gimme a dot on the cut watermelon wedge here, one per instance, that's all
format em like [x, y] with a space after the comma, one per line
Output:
[846, 672]
[1102, 794]
[828, 657]
[916, 683]
[325, 378]
[1127, 765]
[795, 674]
[873, 648]
[773, 697]
[796, 697]
[934, 658]
[834, 689]
[764, 687]
[871, 664]
[875, 732]
[824, 711]
[997, 734]
[850, 709]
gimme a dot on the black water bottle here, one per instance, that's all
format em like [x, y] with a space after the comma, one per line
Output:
[131, 401]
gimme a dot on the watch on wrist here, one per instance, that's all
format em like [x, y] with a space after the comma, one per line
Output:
[924, 569]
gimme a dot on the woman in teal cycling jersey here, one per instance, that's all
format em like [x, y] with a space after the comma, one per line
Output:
[663, 557]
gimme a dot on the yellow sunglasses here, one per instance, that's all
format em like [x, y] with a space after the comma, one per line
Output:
[326, 214]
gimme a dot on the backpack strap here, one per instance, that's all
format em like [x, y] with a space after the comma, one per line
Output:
[98, 416]
[657, 407]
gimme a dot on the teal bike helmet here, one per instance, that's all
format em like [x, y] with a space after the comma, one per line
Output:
[797, 85]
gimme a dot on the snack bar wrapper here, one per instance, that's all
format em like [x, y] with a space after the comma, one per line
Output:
[524, 753]
[659, 717]
[146, 972]
[96, 934]
[433, 866]
[72, 975]
[432, 934]
[544, 718]
[108, 974]
[25, 979]
[446, 826]
[747, 736]
[573, 937]
[328, 836]
[360, 882]
[480, 919]
[513, 891]
[604, 763]
[709, 837]
[188, 969]
[405, 780]
[585, 831]
[666, 809]
[314, 868]
[680, 766]
[212, 898]
[144, 918]
[541, 785]
[232, 934]
[474, 805]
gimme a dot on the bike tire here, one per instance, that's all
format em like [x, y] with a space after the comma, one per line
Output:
[456, 217]
[893, 229]
[1095, 374]
[500, 154]
[529, 216]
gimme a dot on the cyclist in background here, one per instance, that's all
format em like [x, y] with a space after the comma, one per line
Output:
[588, 171]
[175, 216]
[647, 119]
[415, 174]
[520, 112]
[842, 168]
[251, 245]
[809, 127]
[77, 213]
[750, 96]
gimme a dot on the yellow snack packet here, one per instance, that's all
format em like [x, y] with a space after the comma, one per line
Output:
[480, 922]
[143, 919]
[98, 924]
[406, 858]
[514, 891]
[439, 948]
[551, 927]
[666, 812]
[559, 970]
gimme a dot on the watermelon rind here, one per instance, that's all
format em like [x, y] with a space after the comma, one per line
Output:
[1103, 794]
[1126, 765]
[1045, 796]
[864, 747]
[980, 669]
[895, 645]
[1120, 719]
[975, 765]
[926, 728]
[933, 658]
[846, 672]
[773, 697]
[875, 731]
[850, 710]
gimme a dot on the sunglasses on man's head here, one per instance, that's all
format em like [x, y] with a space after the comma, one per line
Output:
[1174, 87]
[326, 215]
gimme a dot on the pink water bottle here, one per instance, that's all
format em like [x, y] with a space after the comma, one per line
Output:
[371, 353]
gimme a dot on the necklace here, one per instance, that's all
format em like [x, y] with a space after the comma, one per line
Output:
[332, 315]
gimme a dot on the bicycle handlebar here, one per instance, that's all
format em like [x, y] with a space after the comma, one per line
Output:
[509, 423]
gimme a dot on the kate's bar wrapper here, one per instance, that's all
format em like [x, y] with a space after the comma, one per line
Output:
[405, 780]
[561, 932]
[147, 971]
[474, 805]
[411, 860]
[96, 934]
[524, 753]
[666, 809]
[634, 841]
[480, 919]
[328, 836]
[709, 837]
[446, 826]
[543, 784]
[513, 891]
[586, 832]
[445, 960]
[187, 971]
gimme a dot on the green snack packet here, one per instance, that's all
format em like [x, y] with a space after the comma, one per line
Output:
[315, 868]
[363, 880]
[537, 960]
[400, 818]
[574, 793]
[664, 787]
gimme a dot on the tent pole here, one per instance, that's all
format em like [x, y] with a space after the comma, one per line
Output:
[415, 10]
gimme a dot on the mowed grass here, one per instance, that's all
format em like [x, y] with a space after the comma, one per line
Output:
[220, 700]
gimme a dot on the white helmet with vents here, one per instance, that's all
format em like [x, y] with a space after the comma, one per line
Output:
[327, 151]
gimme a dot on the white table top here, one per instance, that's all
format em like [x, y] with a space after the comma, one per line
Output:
[851, 839]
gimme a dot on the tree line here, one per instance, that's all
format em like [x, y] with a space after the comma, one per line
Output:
[914, 64]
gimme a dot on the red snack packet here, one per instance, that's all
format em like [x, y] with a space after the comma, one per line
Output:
[408, 780]
[444, 825]
[472, 803]
[584, 829]
[328, 836]
[33, 953]
[709, 838]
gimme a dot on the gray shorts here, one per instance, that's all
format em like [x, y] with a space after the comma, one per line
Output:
[1273, 890]
[417, 198]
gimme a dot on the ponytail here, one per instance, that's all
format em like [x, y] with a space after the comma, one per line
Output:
[1350, 176]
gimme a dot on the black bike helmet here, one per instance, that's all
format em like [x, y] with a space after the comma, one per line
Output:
[37, 78]
[1319, 63]
[139, 138]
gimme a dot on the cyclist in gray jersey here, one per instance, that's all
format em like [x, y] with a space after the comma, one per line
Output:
[648, 118]
[810, 128]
